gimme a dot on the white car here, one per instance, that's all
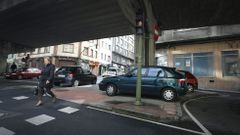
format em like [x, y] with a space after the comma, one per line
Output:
[112, 72]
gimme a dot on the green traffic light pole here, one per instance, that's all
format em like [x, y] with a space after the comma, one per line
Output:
[139, 71]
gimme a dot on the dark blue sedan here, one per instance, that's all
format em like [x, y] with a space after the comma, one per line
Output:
[161, 81]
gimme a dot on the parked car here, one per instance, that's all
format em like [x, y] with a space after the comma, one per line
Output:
[73, 76]
[191, 80]
[23, 73]
[161, 81]
[112, 71]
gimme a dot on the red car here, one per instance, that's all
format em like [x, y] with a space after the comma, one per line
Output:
[192, 82]
[28, 73]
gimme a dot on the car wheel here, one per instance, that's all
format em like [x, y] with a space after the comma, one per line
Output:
[190, 88]
[111, 90]
[169, 94]
[76, 83]
[20, 77]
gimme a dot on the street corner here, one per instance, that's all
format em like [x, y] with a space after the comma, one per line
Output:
[80, 95]
[196, 94]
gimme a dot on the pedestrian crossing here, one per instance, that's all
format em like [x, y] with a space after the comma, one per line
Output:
[5, 131]
[39, 119]
[20, 98]
[68, 110]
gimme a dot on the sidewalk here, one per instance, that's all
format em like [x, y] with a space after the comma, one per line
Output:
[152, 108]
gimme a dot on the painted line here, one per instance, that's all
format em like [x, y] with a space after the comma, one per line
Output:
[40, 119]
[144, 120]
[205, 130]
[68, 110]
[20, 98]
[4, 131]
[1, 101]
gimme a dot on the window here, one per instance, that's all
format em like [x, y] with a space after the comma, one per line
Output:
[47, 49]
[109, 58]
[109, 47]
[96, 54]
[41, 50]
[96, 46]
[203, 64]
[68, 48]
[91, 53]
[144, 70]
[35, 51]
[200, 64]
[154, 72]
[105, 57]
[230, 63]
[102, 44]
[102, 56]
[183, 62]
[85, 51]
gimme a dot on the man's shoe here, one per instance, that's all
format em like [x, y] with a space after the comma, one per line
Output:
[39, 103]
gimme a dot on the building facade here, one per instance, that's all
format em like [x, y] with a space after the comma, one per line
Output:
[216, 64]
[65, 54]
[98, 54]
[123, 51]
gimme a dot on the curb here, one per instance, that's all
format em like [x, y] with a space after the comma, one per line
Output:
[147, 116]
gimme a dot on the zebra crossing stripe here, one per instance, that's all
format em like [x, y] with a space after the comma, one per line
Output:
[68, 110]
[4, 131]
[40, 119]
[20, 98]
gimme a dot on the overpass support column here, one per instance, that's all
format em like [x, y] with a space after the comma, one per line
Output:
[3, 64]
[149, 41]
[149, 50]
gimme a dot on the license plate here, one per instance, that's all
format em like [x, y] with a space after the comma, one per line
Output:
[62, 76]
[7, 75]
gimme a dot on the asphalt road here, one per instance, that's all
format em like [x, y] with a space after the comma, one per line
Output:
[16, 116]
[220, 115]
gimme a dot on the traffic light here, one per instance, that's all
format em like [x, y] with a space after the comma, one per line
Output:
[140, 22]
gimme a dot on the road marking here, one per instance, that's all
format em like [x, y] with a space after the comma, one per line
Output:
[68, 110]
[4, 131]
[144, 120]
[39, 120]
[1, 101]
[20, 98]
[205, 130]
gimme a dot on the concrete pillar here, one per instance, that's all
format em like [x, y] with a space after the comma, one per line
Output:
[150, 50]
[3, 64]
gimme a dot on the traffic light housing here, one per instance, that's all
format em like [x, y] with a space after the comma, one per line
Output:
[140, 23]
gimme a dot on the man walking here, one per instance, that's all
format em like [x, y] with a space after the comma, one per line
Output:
[46, 80]
[13, 67]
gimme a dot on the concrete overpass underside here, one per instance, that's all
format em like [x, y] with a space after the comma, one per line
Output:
[37, 23]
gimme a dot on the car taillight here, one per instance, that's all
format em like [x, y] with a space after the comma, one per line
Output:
[182, 82]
